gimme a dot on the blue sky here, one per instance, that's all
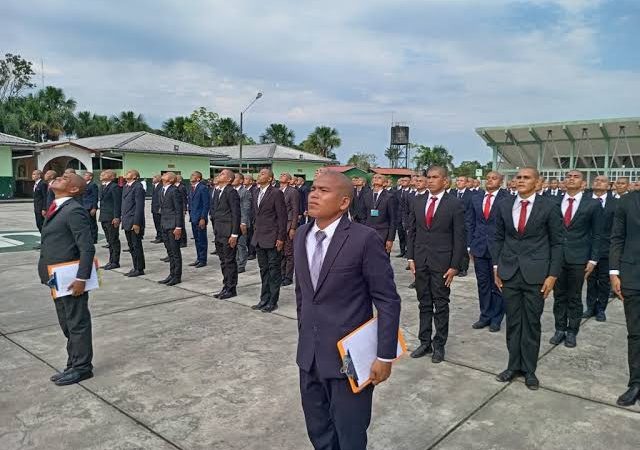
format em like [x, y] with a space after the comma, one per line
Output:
[442, 66]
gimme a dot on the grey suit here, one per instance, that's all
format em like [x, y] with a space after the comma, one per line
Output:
[66, 236]
[246, 202]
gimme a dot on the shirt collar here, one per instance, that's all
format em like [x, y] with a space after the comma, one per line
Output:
[437, 195]
[61, 201]
[577, 197]
[530, 199]
[329, 229]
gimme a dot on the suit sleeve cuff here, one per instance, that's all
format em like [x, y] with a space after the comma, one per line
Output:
[595, 263]
[495, 267]
[234, 235]
[80, 279]
[614, 272]
[385, 359]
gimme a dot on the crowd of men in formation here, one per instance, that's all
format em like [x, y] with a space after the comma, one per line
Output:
[527, 237]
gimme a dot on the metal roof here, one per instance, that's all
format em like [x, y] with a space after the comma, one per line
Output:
[589, 144]
[395, 172]
[270, 152]
[7, 139]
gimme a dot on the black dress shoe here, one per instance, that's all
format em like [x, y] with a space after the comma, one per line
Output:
[136, 273]
[241, 270]
[570, 340]
[494, 328]
[213, 253]
[286, 283]
[174, 281]
[630, 397]
[105, 246]
[36, 247]
[462, 273]
[400, 255]
[588, 314]
[165, 259]
[126, 250]
[557, 338]
[479, 325]
[412, 285]
[228, 294]
[195, 263]
[200, 264]
[73, 377]
[251, 257]
[111, 266]
[601, 317]
[166, 280]
[260, 305]
[183, 245]
[506, 376]
[422, 350]
[269, 307]
[408, 267]
[531, 381]
[57, 376]
[222, 291]
[129, 273]
[156, 241]
[438, 356]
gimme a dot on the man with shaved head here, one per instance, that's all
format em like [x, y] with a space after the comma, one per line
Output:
[133, 197]
[336, 253]
[90, 203]
[292, 202]
[172, 224]
[39, 199]
[66, 237]
[49, 176]
[110, 211]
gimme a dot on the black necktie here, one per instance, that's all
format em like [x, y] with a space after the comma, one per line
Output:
[375, 198]
[216, 196]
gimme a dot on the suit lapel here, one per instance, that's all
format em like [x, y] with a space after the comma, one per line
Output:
[584, 202]
[338, 240]
[267, 194]
[535, 212]
[304, 273]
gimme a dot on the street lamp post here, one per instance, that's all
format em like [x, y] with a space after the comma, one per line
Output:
[241, 132]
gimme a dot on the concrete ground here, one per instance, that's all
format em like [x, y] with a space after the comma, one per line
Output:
[176, 368]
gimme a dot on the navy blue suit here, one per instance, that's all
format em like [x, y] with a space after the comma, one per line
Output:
[89, 202]
[480, 237]
[199, 203]
[335, 417]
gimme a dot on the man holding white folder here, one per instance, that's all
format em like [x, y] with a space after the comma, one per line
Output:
[343, 270]
[66, 237]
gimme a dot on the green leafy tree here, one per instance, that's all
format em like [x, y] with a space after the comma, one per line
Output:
[364, 161]
[88, 124]
[322, 141]
[128, 121]
[467, 169]
[278, 133]
[393, 154]
[227, 132]
[15, 76]
[176, 128]
[426, 156]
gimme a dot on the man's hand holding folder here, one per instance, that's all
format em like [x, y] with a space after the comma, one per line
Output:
[77, 288]
[380, 371]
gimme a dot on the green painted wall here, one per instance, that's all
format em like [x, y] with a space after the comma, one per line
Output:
[6, 173]
[149, 164]
[355, 172]
[305, 168]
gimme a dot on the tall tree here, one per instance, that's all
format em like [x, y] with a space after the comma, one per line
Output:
[278, 133]
[364, 161]
[227, 132]
[88, 124]
[15, 76]
[128, 121]
[467, 169]
[53, 110]
[393, 154]
[426, 156]
[176, 128]
[322, 141]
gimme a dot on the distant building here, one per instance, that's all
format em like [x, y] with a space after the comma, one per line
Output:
[15, 169]
[394, 174]
[351, 171]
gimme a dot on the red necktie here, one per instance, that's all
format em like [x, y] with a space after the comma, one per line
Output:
[487, 206]
[51, 210]
[569, 212]
[430, 210]
[523, 216]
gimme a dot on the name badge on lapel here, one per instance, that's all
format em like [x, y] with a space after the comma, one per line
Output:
[375, 213]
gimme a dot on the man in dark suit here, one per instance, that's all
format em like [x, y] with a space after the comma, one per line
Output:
[435, 249]
[66, 236]
[110, 211]
[624, 270]
[527, 258]
[303, 192]
[39, 198]
[132, 220]
[270, 232]
[401, 193]
[225, 213]
[199, 205]
[90, 203]
[480, 219]
[554, 190]
[155, 207]
[378, 206]
[357, 208]
[49, 176]
[464, 193]
[582, 218]
[334, 252]
[185, 201]
[292, 202]
[246, 212]
[598, 284]
[172, 223]
[250, 186]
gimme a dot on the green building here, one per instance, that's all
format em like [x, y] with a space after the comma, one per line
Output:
[15, 164]
[277, 157]
[352, 171]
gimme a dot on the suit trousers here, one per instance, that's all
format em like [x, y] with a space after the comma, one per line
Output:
[93, 222]
[567, 298]
[228, 264]
[433, 303]
[269, 261]
[39, 220]
[464, 264]
[402, 237]
[523, 307]
[183, 237]
[336, 418]
[156, 224]
[632, 314]
[135, 248]
[598, 287]
[251, 249]
[75, 320]
[200, 238]
[491, 302]
[173, 252]
[287, 260]
[112, 234]
[243, 251]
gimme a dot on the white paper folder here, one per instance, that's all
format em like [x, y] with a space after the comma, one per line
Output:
[64, 274]
[360, 348]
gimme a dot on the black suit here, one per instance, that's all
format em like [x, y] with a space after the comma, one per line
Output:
[581, 244]
[185, 201]
[624, 256]
[225, 214]
[357, 207]
[171, 204]
[524, 261]
[251, 248]
[110, 208]
[39, 201]
[598, 283]
[292, 202]
[155, 209]
[90, 202]
[465, 197]
[435, 250]
[66, 236]
[380, 213]
[133, 198]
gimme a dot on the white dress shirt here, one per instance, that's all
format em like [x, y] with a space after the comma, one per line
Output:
[515, 212]
[35, 185]
[603, 197]
[576, 203]
[435, 208]
[261, 193]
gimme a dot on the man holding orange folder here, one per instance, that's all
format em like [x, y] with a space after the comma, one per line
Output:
[343, 270]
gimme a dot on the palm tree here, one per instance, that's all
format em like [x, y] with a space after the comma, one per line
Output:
[56, 111]
[393, 154]
[322, 141]
[128, 121]
[227, 132]
[278, 133]
[175, 128]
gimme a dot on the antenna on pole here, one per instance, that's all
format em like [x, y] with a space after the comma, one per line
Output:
[42, 71]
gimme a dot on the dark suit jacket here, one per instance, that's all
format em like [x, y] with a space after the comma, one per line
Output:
[608, 213]
[385, 222]
[582, 236]
[357, 207]
[246, 205]
[225, 214]
[292, 202]
[444, 244]
[480, 231]
[355, 258]
[50, 196]
[303, 192]
[199, 203]
[110, 202]
[538, 252]
[185, 196]
[171, 208]
[466, 195]
[270, 220]
[132, 206]
[155, 198]
[624, 254]
[40, 197]
[66, 236]
[90, 196]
